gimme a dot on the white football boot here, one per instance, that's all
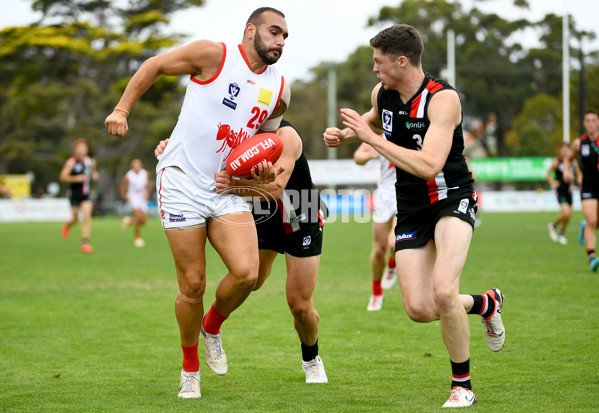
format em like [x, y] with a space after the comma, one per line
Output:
[315, 371]
[189, 386]
[460, 397]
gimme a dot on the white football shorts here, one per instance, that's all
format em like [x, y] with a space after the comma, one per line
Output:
[139, 202]
[183, 203]
[385, 204]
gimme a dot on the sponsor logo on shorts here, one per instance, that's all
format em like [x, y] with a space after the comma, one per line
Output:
[405, 236]
[463, 205]
[230, 99]
[307, 241]
[176, 218]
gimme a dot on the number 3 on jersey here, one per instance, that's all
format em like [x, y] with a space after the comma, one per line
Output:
[259, 116]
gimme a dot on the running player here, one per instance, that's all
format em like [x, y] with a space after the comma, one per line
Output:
[436, 203]
[78, 171]
[586, 146]
[233, 92]
[383, 223]
[135, 189]
[563, 191]
[289, 220]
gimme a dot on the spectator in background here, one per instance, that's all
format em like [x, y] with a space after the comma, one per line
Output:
[78, 171]
[563, 189]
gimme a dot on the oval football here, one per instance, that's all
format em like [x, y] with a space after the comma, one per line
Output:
[263, 146]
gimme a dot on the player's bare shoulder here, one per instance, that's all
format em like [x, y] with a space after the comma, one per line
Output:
[207, 56]
[445, 105]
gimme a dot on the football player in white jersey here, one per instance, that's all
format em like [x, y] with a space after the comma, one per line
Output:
[136, 189]
[383, 224]
[233, 92]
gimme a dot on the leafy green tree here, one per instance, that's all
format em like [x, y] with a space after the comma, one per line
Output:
[61, 76]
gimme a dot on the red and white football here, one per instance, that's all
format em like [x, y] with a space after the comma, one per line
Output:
[252, 151]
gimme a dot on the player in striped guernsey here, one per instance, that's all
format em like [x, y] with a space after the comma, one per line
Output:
[79, 170]
[421, 118]
[588, 149]
[563, 190]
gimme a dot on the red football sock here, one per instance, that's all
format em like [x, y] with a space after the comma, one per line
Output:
[213, 320]
[391, 262]
[191, 362]
[376, 287]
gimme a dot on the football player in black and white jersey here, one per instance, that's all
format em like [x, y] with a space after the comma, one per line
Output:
[78, 171]
[421, 118]
[586, 146]
[563, 190]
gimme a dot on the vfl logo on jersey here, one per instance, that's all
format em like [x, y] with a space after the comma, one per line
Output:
[229, 137]
[405, 236]
[230, 99]
[387, 122]
[585, 150]
[307, 241]
[265, 97]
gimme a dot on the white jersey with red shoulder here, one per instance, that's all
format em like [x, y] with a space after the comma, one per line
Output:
[137, 183]
[218, 114]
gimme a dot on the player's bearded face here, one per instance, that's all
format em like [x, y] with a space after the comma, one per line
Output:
[269, 55]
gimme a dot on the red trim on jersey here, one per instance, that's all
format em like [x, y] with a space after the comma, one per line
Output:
[433, 86]
[415, 104]
[433, 190]
[391, 165]
[220, 68]
[280, 91]
[247, 62]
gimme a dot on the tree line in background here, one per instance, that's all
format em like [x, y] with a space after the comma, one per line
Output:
[61, 76]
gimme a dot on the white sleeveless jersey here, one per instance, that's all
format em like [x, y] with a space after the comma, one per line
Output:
[218, 114]
[138, 184]
[387, 179]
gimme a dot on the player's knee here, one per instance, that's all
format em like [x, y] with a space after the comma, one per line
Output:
[445, 300]
[419, 313]
[379, 251]
[246, 278]
[193, 288]
[300, 309]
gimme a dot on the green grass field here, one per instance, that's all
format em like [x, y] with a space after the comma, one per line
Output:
[97, 332]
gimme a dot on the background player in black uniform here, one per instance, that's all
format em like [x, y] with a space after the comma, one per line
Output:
[289, 221]
[79, 170]
[586, 146]
[436, 203]
[563, 190]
